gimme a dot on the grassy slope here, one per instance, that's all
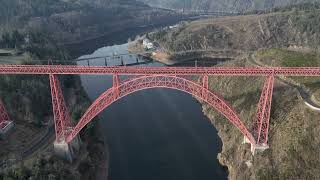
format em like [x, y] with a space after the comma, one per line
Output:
[289, 58]
[293, 135]
[251, 32]
[280, 57]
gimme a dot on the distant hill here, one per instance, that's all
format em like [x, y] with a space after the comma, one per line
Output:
[245, 33]
[223, 5]
[74, 20]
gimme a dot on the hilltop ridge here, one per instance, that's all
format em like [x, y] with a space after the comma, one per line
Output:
[224, 5]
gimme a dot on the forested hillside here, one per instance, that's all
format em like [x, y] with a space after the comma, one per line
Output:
[35, 8]
[74, 20]
[224, 5]
[246, 33]
[31, 30]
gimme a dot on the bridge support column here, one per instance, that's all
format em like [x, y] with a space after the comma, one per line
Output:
[62, 121]
[255, 148]
[258, 148]
[63, 150]
[261, 123]
[5, 123]
[247, 141]
[67, 151]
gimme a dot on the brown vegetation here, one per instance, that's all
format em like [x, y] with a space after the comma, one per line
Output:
[293, 134]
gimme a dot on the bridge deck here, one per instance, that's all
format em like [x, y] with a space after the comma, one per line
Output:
[101, 70]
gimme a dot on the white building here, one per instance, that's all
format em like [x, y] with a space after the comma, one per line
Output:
[174, 27]
[147, 44]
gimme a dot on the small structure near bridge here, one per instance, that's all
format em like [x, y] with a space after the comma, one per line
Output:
[5, 127]
[5, 123]
[67, 151]
[147, 44]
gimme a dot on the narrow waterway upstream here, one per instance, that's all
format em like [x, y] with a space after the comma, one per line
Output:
[157, 134]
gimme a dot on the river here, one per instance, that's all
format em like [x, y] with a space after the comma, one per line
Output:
[155, 134]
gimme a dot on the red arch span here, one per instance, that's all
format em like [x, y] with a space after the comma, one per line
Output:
[160, 81]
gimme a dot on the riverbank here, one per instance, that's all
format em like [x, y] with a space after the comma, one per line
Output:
[178, 58]
[136, 47]
[291, 120]
[118, 36]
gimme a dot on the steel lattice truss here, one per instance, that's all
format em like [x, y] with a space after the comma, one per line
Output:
[158, 77]
[160, 81]
[261, 123]
[61, 116]
[110, 70]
